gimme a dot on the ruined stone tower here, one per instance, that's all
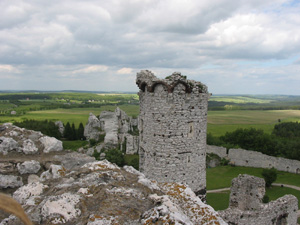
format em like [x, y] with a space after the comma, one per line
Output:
[172, 125]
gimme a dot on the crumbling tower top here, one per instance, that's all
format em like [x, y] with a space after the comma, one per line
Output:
[147, 80]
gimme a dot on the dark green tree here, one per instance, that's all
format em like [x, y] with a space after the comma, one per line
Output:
[270, 175]
[80, 132]
[74, 132]
[68, 134]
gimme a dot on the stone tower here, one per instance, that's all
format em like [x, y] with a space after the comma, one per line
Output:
[172, 125]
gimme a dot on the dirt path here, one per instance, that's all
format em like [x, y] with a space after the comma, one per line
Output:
[287, 185]
[218, 190]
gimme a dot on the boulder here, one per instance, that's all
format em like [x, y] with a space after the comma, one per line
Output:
[10, 181]
[8, 145]
[28, 191]
[29, 167]
[51, 144]
[29, 147]
[54, 172]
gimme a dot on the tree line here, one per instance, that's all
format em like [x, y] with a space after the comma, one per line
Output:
[284, 140]
[49, 128]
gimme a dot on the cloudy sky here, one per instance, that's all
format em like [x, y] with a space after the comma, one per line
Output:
[234, 47]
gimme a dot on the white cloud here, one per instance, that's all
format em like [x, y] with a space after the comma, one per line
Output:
[91, 69]
[125, 71]
[9, 69]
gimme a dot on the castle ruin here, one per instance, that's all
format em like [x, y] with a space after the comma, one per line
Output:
[172, 126]
[246, 207]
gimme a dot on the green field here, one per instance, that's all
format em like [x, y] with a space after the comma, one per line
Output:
[75, 115]
[220, 122]
[220, 177]
[240, 99]
[75, 108]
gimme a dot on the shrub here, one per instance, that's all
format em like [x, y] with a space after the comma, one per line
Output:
[270, 175]
[134, 163]
[92, 142]
[115, 156]
[265, 199]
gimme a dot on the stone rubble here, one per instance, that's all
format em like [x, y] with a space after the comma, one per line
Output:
[31, 166]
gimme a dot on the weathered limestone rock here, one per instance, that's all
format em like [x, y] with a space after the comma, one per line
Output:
[29, 167]
[102, 193]
[172, 126]
[54, 172]
[132, 144]
[109, 122]
[7, 145]
[10, 181]
[29, 147]
[51, 144]
[64, 205]
[60, 126]
[25, 193]
[92, 128]
[33, 178]
[246, 207]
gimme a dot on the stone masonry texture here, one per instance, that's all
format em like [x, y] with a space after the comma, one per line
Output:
[172, 126]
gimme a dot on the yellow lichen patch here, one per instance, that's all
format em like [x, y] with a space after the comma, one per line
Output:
[198, 212]
[62, 171]
[104, 220]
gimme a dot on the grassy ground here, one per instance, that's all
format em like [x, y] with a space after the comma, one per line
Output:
[220, 177]
[220, 122]
[74, 145]
[220, 201]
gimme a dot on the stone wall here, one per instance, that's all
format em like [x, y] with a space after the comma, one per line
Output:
[246, 207]
[220, 151]
[172, 126]
[241, 157]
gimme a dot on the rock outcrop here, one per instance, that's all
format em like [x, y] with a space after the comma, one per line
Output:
[102, 193]
[61, 127]
[92, 128]
[27, 155]
[118, 129]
